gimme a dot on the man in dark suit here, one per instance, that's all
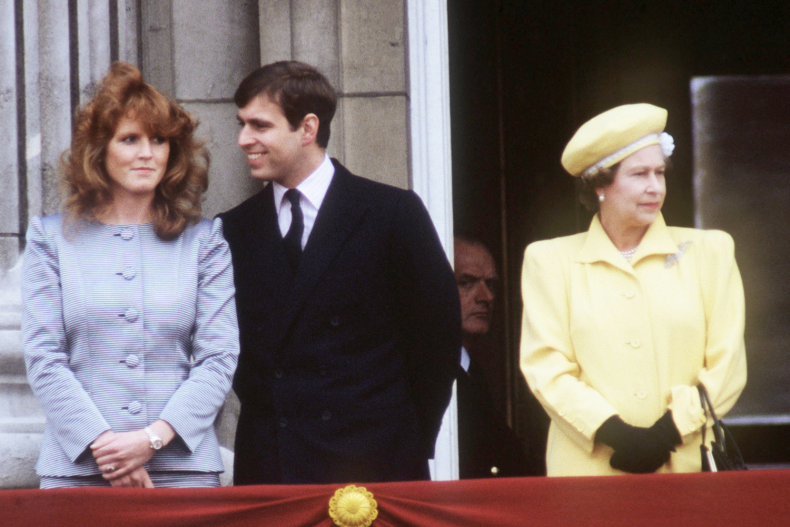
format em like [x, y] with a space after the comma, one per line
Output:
[347, 305]
[487, 446]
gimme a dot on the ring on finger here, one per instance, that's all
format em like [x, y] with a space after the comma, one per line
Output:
[109, 468]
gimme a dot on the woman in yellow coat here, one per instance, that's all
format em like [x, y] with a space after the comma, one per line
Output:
[622, 322]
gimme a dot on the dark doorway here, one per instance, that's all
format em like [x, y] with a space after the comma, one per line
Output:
[525, 74]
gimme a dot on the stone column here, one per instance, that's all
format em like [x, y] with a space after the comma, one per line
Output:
[30, 160]
[51, 56]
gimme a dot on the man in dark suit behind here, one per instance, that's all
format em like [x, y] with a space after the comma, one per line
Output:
[347, 305]
[487, 446]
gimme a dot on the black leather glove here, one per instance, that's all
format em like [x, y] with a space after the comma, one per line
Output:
[636, 450]
[666, 429]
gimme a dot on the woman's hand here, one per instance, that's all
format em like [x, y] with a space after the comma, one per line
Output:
[120, 454]
[138, 478]
[636, 450]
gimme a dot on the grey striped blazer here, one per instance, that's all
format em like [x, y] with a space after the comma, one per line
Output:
[120, 329]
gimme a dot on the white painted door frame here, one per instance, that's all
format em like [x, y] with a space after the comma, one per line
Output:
[431, 164]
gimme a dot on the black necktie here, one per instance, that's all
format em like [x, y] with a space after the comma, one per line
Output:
[293, 239]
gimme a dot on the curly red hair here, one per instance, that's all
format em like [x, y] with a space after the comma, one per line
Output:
[122, 93]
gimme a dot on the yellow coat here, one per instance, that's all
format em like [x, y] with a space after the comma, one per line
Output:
[602, 336]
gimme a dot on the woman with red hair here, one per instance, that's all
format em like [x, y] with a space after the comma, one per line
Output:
[129, 326]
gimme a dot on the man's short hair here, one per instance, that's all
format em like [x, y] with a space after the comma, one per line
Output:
[470, 239]
[298, 88]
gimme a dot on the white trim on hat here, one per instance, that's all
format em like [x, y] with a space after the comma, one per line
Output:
[664, 140]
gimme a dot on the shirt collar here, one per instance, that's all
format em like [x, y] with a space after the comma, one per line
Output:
[313, 188]
[598, 247]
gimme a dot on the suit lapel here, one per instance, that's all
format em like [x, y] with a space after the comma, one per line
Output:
[340, 213]
[269, 250]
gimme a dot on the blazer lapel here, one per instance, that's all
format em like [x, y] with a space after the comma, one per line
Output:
[340, 213]
[268, 249]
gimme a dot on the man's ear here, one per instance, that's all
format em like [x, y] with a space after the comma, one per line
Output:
[309, 128]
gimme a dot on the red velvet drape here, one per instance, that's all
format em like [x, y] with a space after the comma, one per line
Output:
[742, 499]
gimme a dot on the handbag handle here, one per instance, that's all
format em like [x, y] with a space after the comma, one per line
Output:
[730, 460]
[706, 453]
[707, 407]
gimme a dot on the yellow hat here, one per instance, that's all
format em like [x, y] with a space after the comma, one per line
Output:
[614, 135]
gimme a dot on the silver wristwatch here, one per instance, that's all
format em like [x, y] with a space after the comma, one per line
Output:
[156, 441]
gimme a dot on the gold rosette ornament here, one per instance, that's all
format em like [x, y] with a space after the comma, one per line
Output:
[353, 506]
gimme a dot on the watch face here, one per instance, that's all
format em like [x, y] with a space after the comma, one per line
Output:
[156, 444]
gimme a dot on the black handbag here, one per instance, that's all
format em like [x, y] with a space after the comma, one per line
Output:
[723, 453]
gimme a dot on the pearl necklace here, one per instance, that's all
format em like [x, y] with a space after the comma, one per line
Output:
[629, 253]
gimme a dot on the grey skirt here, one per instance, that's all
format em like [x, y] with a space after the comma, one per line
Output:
[160, 479]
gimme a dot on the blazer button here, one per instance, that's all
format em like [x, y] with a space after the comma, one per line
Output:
[278, 373]
[128, 272]
[283, 422]
[135, 407]
[326, 415]
[641, 394]
[494, 471]
[127, 234]
[132, 361]
[636, 343]
[630, 294]
[131, 315]
[335, 321]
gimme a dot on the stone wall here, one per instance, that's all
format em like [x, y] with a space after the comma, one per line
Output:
[53, 52]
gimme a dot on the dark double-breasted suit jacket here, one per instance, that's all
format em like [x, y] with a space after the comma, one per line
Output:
[346, 365]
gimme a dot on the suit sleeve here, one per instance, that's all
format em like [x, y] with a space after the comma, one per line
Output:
[215, 345]
[724, 374]
[71, 414]
[430, 314]
[548, 359]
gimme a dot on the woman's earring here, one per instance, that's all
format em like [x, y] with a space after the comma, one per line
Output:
[600, 196]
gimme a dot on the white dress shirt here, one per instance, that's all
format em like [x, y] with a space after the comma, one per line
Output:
[313, 190]
[465, 359]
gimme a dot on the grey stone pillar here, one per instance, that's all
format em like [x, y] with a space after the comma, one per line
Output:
[51, 56]
[93, 48]
[214, 46]
[19, 418]
[54, 96]
[361, 48]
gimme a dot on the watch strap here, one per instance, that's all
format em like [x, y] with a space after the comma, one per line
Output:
[155, 440]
